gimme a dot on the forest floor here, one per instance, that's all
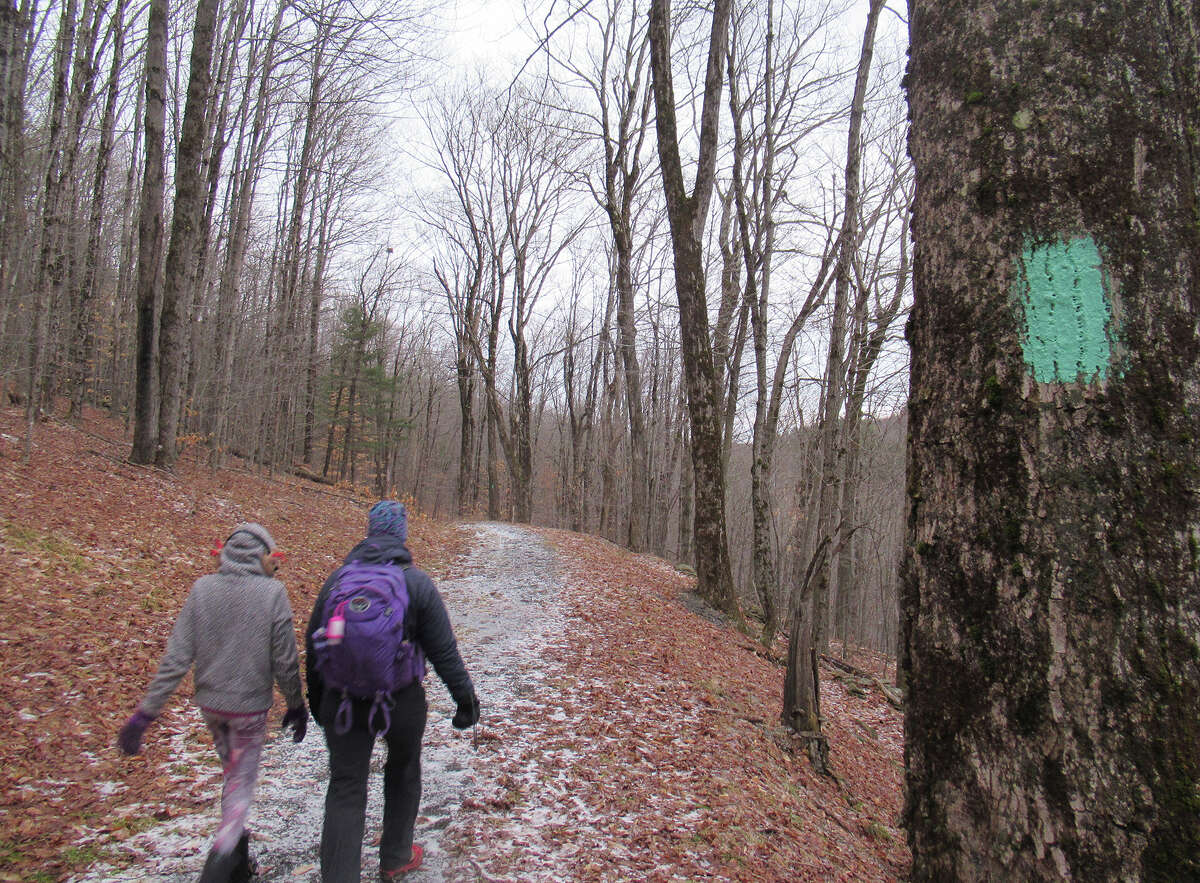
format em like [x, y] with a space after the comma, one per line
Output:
[627, 732]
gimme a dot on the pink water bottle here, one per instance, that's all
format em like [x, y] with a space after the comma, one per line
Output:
[336, 629]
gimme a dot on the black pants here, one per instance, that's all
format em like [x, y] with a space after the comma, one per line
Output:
[346, 799]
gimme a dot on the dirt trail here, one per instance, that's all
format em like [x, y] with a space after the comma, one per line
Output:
[504, 611]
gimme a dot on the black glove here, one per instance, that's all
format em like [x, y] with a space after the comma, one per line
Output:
[297, 719]
[467, 714]
[130, 738]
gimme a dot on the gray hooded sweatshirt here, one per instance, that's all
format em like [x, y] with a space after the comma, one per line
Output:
[236, 628]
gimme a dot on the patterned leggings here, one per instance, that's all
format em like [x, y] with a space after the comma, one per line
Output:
[239, 741]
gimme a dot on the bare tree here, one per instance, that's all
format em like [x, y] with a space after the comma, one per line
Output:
[801, 694]
[51, 268]
[616, 78]
[150, 237]
[83, 338]
[770, 127]
[688, 214]
[458, 125]
[254, 133]
[186, 219]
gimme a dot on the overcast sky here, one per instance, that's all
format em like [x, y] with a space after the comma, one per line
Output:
[487, 32]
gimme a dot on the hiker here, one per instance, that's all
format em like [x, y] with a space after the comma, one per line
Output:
[236, 628]
[355, 697]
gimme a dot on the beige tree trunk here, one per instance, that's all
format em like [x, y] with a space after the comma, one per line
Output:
[1051, 589]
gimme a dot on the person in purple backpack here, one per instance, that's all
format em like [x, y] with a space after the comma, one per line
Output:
[361, 686]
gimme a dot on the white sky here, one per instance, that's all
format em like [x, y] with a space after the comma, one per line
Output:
[485, 32]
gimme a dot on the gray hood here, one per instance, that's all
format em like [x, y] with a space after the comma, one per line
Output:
[242, 553]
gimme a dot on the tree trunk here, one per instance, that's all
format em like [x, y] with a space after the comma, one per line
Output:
[493, 468]
[14, 36]
[186, 219]
[312, 356]
[52, 257]
[1050, 585]
[686, 505]
[687, 214]
[638, 484]
[801, 687]
[83, 337]
[521, 433]
[118, 361]
[150, 236]
[465, 378]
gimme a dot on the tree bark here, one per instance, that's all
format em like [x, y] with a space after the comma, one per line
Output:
[688, 214]
[14, 37]
[1050, 589]
[186, 219]
[150, 235]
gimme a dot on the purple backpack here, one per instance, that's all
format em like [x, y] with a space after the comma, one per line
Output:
[373, 658]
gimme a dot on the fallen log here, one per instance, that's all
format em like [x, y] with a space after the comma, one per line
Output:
[301, 472]
[890, 692]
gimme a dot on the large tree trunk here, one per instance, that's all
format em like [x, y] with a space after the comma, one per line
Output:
[1051, 597]
[688, 214]
[150, 229]
[185, 230]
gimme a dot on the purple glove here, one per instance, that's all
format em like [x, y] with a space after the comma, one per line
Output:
[297, 719]
[130, 739]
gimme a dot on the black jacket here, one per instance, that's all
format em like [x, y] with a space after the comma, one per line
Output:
[426, 621]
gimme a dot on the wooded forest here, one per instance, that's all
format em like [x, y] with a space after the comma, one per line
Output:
[645, 276]
[290, 233]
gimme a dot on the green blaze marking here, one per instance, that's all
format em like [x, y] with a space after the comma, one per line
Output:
[1067, 314]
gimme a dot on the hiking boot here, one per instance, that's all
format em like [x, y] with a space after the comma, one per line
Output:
[413, 864]
[246, 867]
[230, 867]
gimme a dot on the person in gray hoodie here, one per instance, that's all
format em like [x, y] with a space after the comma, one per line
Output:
[235, 628]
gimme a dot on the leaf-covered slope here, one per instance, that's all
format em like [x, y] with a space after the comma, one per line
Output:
[651, 751]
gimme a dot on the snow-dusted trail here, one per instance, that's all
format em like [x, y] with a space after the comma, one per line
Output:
[505, 610]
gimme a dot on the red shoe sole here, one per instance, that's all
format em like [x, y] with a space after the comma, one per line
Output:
[413, 863]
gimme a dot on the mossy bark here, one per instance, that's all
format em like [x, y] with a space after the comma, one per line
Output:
[1051, 601]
